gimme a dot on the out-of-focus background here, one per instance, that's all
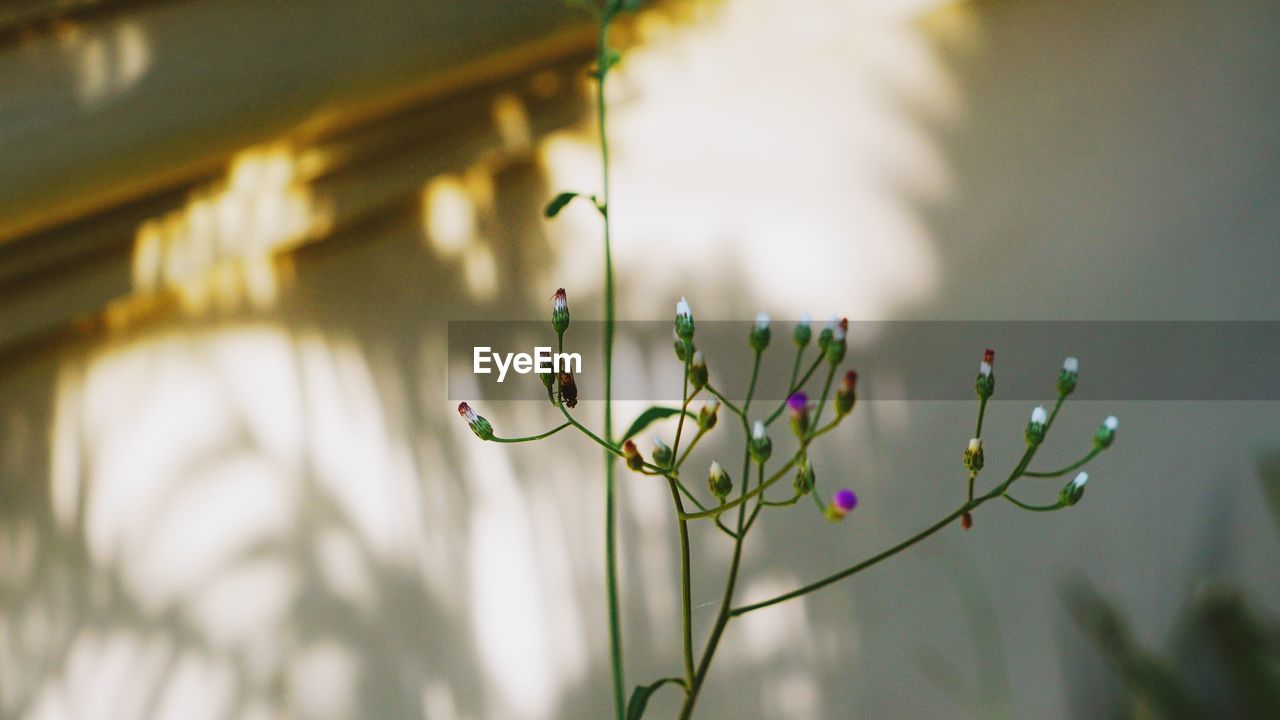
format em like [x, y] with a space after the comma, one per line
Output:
[232, 234]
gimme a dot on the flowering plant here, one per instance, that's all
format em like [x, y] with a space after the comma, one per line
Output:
[735, 515]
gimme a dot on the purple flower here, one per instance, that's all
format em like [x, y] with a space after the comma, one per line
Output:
[842, 503]
[798, 404]
[845, 500]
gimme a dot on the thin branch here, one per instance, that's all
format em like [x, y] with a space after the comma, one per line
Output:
[531, 438]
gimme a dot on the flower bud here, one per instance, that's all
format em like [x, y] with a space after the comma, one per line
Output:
[549, 382]
[836, 348]
[805, 478]
[986, 382]
[760, 334]
[966, 521]
[631, 454]
[1106, 433]
[846, 395]
[842, 503]
[719, 482]
[698, 370]
[824, 337]
[973, 455]
[798, 406]
[479, 425]
[1036, 428]
[803, 333]
[1067, 378]
[684, 320]
[707, 415]
[1074, 490]
[560, 312]
[680, 344]
[662, 456]
[761, 446]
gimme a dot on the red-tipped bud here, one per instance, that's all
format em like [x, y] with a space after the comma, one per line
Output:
[560, 311]
[632, 455]
[846, 395]
[837, 346]
[479, 425]
[986, 382]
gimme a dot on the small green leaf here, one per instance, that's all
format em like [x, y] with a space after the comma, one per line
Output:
[650, 416]
[558, 202]
[640, 696]
[611, 58]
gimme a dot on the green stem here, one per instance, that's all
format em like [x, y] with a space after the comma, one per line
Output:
[822, 403]
[1073, 466]
[691, 698]
[531, 438]
[966, 507]
[824, 429]
[719, 510]
[795, 367]
[611, 520]
[982, 410]
[795, 387]
[860, 566]
[694, 499]
[751, 390]
[692, 444]
[610, 447]
[725, 401]
[1033, 508]
[760, 501]
[726, 602]
[684, 402]
[686, 606]
[686, 583]
[1053, 415]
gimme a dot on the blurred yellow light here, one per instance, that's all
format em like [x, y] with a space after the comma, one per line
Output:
[219, 247]
[449, 216]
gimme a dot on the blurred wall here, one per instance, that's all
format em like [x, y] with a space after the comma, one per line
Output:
[231, 484]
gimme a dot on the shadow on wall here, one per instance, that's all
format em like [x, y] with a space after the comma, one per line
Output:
[257, 499]
[254, 502]
[259, 502]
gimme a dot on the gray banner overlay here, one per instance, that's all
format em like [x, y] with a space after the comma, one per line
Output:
[898, 360]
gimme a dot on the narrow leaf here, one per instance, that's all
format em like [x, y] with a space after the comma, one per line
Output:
[640, 696]
[649, 417]
[612, 57]
[558, 202]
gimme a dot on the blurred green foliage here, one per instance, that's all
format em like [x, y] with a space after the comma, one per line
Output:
[1225, 663]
